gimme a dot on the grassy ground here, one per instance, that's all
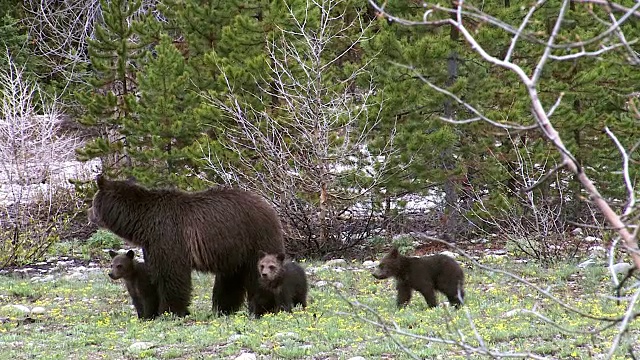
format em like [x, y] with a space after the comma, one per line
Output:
[93, 319]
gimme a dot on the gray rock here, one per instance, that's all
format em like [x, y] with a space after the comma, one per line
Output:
[235, 337]
[286, 335]
[246, 356]
[140, 346]
[621, 268]
[16, 308]
[321, 283]
[370, 264]
[336, 262]
[450, 254]
[38, 310]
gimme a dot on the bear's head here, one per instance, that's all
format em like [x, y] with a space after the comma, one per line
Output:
[93, 214]
[389, 265]
[270, 266]
[115, 206]
[122, 265]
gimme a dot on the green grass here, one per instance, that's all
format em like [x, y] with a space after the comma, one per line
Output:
[93, 319]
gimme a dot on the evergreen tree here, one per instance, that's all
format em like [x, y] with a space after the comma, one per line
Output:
[162, 135]
[110, 100]
[14, 42]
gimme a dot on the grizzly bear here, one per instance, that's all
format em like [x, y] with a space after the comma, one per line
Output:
[219, 230]
[283, 285]
[135, 275]
[425, 275]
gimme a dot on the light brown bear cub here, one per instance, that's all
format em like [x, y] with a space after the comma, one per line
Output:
[144, 294]
[282, 285]
[425, 275]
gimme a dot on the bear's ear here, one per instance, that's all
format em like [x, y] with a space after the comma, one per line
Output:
[394, 253]
[131, 254]
[280, 257]
[112, 253]
[101, 181]
[261, 254]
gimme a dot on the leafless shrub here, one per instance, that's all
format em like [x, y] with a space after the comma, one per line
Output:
[310, 146]
[33, 155]
[535, 223]
[61, 30]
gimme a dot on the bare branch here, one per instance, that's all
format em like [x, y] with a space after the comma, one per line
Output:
[631, 202]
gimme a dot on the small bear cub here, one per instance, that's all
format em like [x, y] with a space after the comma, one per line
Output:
[423, 274]
[144, 294]
[282, 285]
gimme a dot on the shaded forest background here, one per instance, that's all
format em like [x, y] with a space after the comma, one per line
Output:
[321, 107]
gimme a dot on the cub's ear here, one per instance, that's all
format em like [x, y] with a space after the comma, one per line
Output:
[280, 257]
[131, 254]
[112, 253]
[394, 253]
[261, 254]
[132, 180]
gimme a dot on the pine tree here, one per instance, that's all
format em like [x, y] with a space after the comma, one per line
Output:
[115, 55]
[162, 136]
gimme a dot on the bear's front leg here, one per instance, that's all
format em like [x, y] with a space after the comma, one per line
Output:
[404, 294]
[174, 292]
[150, 308]
[137, 303]
[284, 301]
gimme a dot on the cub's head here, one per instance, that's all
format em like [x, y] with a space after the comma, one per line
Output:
[122, 265]
[270, 266]
[389, 265]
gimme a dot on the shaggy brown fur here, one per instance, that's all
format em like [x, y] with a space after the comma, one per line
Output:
[135, 275]
[218, 230]
[283, 285]
[425, 275]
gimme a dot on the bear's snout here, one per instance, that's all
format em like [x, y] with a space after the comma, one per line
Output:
[112, 276]
[91, 216]
[378, 274]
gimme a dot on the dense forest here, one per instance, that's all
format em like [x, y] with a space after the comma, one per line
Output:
[340, 114]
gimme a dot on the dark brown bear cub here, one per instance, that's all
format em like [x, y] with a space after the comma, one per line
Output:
[425, 275]
[282, 285]
[135, 275]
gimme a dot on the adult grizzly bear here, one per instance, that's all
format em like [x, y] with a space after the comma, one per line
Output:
[135, 275]
[217, 230]
[283, 285]
[425, 275]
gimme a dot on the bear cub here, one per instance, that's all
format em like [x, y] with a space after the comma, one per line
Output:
[425, 275]
[144, 294]
[282, 285]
